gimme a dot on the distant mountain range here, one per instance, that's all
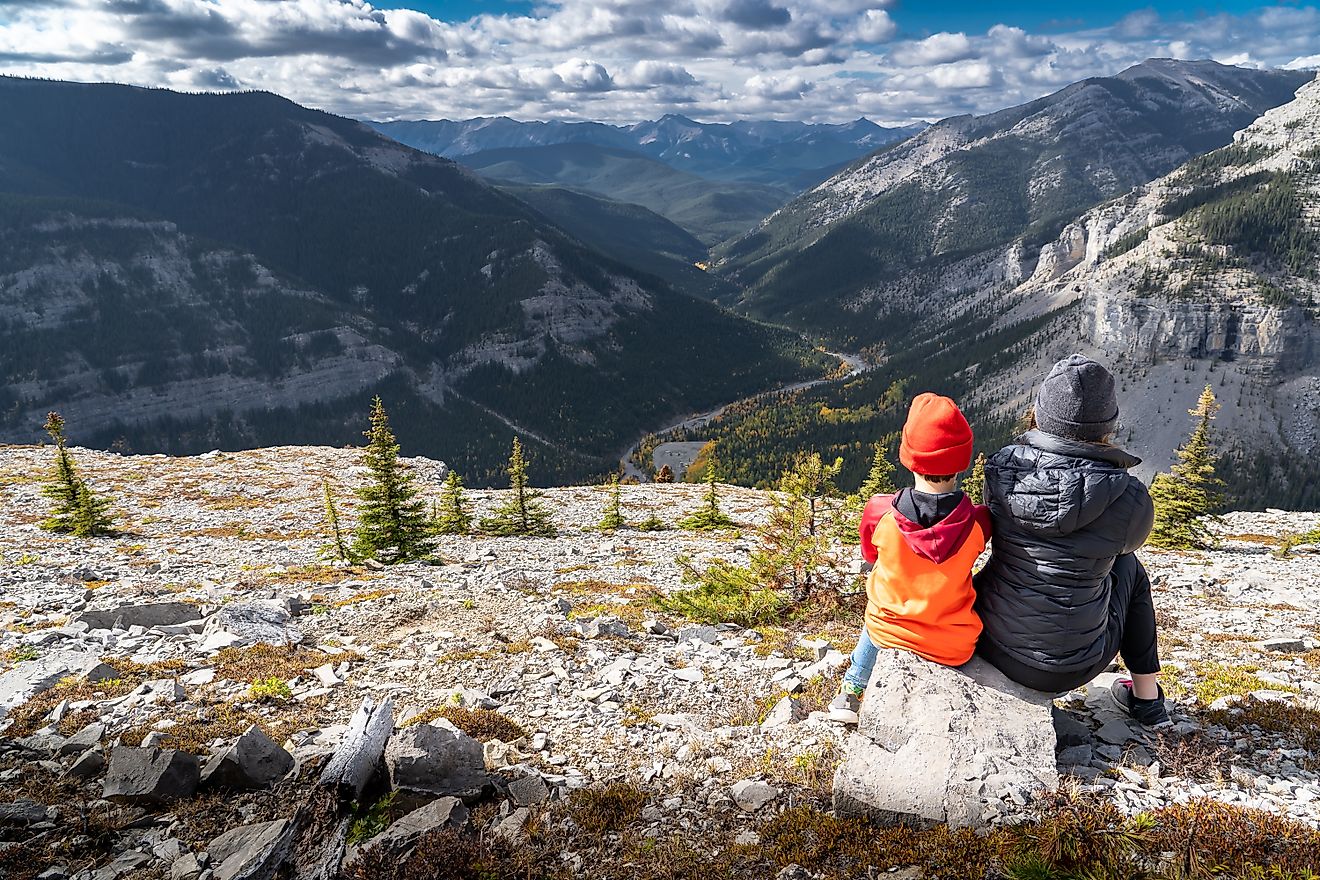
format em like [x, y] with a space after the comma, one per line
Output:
[711, 211]
[789, 155]
[860, 255]
[180, 272]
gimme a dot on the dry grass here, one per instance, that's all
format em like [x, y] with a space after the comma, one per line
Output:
[30, 716]
[273, 661]
[1298, 724]
[317, 574]
[483, 725]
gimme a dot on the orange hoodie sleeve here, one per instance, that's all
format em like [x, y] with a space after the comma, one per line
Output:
[874, 511]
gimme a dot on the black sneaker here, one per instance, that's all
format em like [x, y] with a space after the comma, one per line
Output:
[1151, 713]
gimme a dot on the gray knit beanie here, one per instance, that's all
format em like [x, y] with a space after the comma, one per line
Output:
[1077, 400]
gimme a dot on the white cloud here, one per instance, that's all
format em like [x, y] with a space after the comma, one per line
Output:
[614, 60]
[875, 26]
[935, 49]
[786, 88]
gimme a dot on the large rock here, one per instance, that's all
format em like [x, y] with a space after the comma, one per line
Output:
[149, 615]
[398, 841]
[253, 761]
[435, 760]
[149, 775]
[250, 852]
[31, 677]
[251, 623]
[964, 746]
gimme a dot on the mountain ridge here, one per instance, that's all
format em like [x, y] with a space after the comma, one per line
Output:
[478, 300]
[784, 154]
[885, 230]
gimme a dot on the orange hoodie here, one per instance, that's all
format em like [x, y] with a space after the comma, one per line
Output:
[919, 594]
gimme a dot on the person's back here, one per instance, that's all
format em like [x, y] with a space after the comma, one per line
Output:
[1064, 591]
[919, 593]
[1064, 510]
[922, 543]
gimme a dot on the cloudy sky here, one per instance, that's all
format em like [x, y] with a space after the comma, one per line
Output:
[893, 61]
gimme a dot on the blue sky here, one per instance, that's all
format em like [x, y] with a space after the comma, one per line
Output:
[893, 61]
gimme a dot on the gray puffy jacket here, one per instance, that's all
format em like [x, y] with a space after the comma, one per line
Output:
[1063, 510]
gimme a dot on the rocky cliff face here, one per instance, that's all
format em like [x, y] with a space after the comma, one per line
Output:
[1208, 273]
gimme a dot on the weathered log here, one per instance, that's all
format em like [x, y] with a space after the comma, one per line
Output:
[322, 822]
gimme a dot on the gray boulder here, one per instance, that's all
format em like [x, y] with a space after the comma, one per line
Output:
[251, 623]
[436, 759]
[251, 851]
[253, 761]
[600, 627]
[149, 775]
[397, 842]
[147, 616]
[529, 791]
[31, 677]
[935, 744]
[87, 738]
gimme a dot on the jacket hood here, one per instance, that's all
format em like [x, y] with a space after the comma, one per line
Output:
[942, 540]
[1054, 486]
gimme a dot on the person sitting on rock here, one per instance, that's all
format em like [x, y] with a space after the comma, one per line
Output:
[921, 543]
[1063, 592]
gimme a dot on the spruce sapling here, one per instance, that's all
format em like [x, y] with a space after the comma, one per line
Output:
[452, 517]
[392, 525]
[1187, 497]
[523, 513]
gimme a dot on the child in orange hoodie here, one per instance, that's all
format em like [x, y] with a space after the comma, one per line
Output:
[922, 543]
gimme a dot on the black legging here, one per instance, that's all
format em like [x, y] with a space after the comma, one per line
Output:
[1130, 632]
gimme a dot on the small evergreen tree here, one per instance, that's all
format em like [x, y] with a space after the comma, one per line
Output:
[77, 511]
[880, 478]
[613, 518]
[392, 525]
[974, 485]
[91, 516]
[797, 559]
[338, 547]
[523, 514]
[665, 474]
[1187, 497]
[879, 481]
[709, 517]
[452, 517]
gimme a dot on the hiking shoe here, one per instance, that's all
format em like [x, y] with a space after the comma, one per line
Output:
[845, 707]
[1151, 713]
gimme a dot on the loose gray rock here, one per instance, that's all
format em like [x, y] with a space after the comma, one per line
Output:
[89, 763]
[787, 711]
[751, 795]
[254, 622]
[22, 812]
[1069, 731]
[1116, 732]
[146, 616]
[149, 775]
[250, 851]
[399, 840]
[937, 744]
[253, 761]
[186, 867]
[87, 738]
[602, 626]
[436, 759]
[529, 791]
[27, 679]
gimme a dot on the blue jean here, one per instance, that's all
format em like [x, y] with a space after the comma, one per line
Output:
[863, 661]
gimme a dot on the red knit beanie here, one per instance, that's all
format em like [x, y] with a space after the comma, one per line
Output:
[936, 439]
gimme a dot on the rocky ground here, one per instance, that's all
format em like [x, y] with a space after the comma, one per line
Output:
[551, 653]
